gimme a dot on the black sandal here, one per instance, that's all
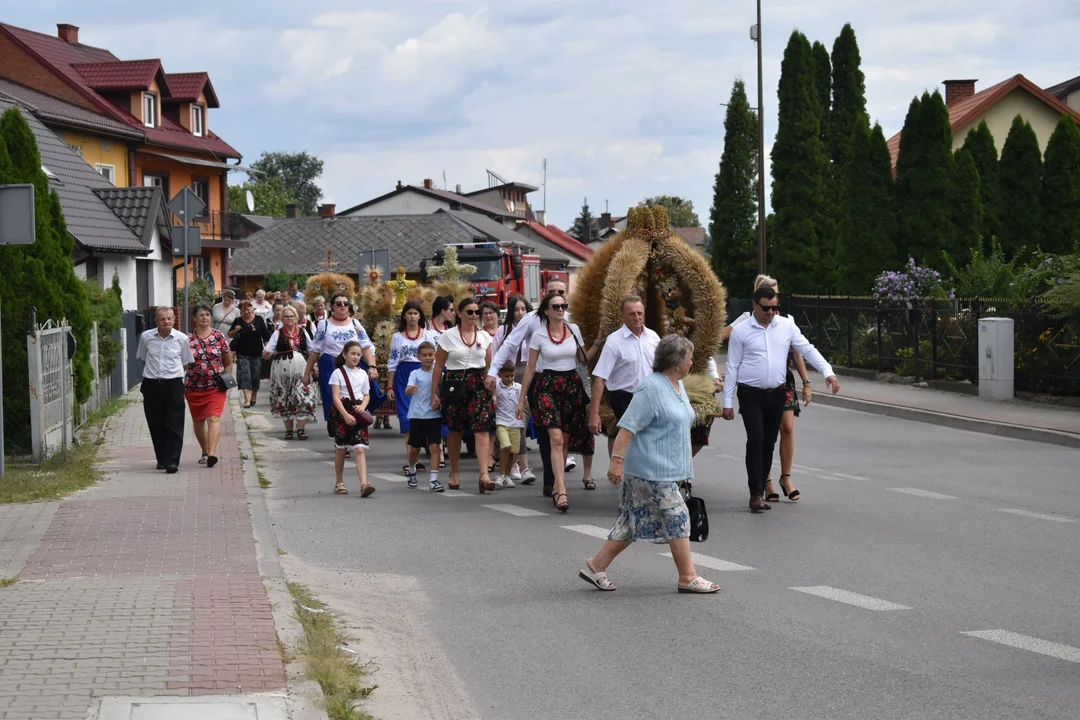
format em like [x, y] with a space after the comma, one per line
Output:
[589, 484]
[555, 501]
[288, 434]
[301, 434]
[794, 495]
[772, 497]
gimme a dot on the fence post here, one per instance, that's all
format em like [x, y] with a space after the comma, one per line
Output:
[976, 312]
[850, 346]
[33, 361]
[933, 340]
[877, 319]
[913, 322]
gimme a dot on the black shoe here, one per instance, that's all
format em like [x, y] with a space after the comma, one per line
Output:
[548, 489]
[171, 469]
[160, 466]
[211, 461]
[757, 504]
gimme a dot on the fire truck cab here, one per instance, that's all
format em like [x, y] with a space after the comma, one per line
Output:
[502, 269]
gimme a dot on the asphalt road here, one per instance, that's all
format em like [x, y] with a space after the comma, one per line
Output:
[932, 533]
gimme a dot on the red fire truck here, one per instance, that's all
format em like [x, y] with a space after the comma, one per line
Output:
[503, 269]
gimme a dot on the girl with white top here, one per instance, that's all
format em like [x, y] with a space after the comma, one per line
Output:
[351, 393]
[402, 360]
[463, 357]
[561, 406]
[330, 338]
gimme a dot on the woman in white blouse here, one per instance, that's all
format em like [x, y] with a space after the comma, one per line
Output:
[561, 405]
[457, 388]
[330, 337]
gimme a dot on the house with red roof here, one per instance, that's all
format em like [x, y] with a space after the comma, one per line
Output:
[998, 105]
[135, 123]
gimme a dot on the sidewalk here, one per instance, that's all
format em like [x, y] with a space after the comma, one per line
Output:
[144, 585]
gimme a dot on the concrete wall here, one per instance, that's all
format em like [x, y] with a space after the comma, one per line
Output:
[97, 150]
[161, 275]
[1042, 117]
[406, 203]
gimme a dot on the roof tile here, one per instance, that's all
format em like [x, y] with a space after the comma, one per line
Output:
[120, 74]
[561, 239]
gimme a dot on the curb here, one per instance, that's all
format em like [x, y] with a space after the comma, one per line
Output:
[301, 692]
[958, 422]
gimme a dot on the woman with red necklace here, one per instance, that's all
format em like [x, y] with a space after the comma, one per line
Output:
[412, 330]
[457, 388]
[291, 399]
[561, 407]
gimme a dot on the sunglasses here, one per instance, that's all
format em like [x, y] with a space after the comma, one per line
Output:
[470, 312]
[770, 308]
[560, 293]
[339, 303]
[563, 306]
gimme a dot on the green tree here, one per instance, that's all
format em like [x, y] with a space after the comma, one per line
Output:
[1020, 175]
[733, 218]
[801, 246]
[107, 310]
[298, 173]
[980, 143]
[584, 227]
[924, 182]
[967, 211]
[823, 83]
[1061, 190]
[848, 95]
[866, 223]
[680, 210]
[270, 197]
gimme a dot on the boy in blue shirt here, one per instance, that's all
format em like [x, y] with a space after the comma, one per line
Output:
[425, 424]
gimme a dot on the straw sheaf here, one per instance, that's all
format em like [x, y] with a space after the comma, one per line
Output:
[458, 290]
[375, 303]
[625, 276]
[328, 285]
[708, 299]
[589, 285]
[423, 294]
[699, 391]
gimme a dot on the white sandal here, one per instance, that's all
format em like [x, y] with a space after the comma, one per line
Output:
[699, 585]
[597, 580]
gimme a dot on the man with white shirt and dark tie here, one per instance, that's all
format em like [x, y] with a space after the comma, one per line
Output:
[757, 372]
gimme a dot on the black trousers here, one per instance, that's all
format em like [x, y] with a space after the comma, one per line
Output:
[762, 411]
[544, 440]
[163, 404]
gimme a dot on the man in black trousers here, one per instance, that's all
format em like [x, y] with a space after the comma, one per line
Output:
[165, 353]
[757, 370]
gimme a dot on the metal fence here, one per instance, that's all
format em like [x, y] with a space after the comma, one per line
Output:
[938, 339]
[101, 389]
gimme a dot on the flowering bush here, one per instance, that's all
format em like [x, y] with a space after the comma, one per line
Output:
[1044, 272]
[911, 283]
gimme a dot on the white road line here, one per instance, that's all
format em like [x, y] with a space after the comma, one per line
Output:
[807, 468]
[1037, 516]
[455, 493]
[389, 478]
[863, 601]
[917, 492]
[593, 530]
[860, 478]
[725, 456]
[714, 563]
[1032, 644]
[515, 510]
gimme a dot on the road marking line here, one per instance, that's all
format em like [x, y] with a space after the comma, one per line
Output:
[515, 510]
[1032, 644]
[851, 477]
[728, 457]
[455, 493]
[594, 530]
[924, 493]
[1037, 516]
[807, 468]
[389, 478]
[863, 601]
[714, 563]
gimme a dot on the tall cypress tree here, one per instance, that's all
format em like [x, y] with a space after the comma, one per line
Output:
[924, 188]
[848, 95]
[980, 143]
[733, 219]
[866, 246]
[1061, 190]
[823, 82]
[967, 209]
[799, 171]
[1020, 175]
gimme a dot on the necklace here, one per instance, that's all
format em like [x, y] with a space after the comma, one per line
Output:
[461, 334]
[410, 336]
[561, 340]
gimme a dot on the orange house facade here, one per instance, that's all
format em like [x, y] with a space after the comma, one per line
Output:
[172, 144]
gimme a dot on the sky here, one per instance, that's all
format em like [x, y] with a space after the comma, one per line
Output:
[622, 97]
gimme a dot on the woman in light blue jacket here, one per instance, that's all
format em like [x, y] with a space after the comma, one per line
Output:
[654, 446]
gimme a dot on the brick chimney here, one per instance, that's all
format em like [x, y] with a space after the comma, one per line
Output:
[399, 186]
[428, 183]
[68, 33]
[326, 210]
[956, 90]
[292, 211]
[605, 220]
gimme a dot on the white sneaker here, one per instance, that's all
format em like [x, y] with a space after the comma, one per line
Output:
[571, 463]
[527, 476]
[508, 482]
[515, 473]
[500, 482]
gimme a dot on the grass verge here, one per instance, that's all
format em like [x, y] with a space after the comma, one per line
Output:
[61, 474]
[263, 482]
[339, 676]
[9, 581]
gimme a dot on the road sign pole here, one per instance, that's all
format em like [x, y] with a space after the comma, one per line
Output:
[186, 261]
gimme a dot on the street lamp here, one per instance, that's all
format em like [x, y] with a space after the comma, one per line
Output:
[755, 35]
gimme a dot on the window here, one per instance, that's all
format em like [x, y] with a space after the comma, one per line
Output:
[149, 104]
[108, 172]
[201, 188]
[197, 120]
[153, 181]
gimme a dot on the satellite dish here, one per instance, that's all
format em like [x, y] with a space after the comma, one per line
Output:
[250, 201]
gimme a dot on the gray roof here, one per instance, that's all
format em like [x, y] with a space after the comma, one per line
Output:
[299, 244]
[89, 220]
[58, 112]
[499, 232]
[261, 221]
[141, 208]
[445, 195]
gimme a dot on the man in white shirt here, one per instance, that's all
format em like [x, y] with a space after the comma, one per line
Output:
[756, 371]
[165, 352]
[524, 330]
[260, 306]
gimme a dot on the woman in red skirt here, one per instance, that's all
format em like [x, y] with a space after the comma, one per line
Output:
[205, 399]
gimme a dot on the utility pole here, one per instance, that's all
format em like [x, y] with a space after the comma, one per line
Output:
[755, 34]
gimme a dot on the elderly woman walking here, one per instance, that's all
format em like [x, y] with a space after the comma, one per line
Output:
[205, 398]
[653, 445]
[292, 398]
[248, 332]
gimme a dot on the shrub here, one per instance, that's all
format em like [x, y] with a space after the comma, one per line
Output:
[280, 279]
[107, 309]
[986, 274]
[198, 291]
[911, 283]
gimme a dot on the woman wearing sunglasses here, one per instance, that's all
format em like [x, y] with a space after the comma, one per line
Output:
[561, 407]
[462, 358]
[330, 337]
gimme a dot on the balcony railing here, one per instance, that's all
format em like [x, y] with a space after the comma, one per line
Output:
[216, 225]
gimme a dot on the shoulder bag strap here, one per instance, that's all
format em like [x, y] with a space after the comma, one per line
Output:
[348, 385]
[583, 359]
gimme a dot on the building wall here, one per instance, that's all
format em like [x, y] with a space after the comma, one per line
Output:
[1042, 117]
[1073, 100]
[406, 203]
[16, 65]
[161, 275]
[97, 150]
[179, 175]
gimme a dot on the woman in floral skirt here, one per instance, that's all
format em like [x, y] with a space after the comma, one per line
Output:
[291, 399]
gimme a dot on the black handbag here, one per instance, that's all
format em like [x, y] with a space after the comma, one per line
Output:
[224, 381]
[452, 389]
[699, 518]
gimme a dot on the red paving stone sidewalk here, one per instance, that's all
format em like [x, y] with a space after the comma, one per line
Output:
[150, 582]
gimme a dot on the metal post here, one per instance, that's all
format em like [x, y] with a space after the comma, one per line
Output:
[761, 151]
[186, 261]
[3, 451]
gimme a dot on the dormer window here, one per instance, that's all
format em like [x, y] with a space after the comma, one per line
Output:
[149, 104]
[197, 120]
